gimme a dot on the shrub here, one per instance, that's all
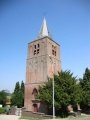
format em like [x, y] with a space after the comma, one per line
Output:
[2, 110]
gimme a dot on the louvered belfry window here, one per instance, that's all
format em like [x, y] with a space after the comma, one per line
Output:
[36, 49]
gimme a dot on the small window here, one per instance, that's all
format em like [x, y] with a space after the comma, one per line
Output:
[34, 52]
[37, 51]
[38, 45]
[53, 52]
[35, 46]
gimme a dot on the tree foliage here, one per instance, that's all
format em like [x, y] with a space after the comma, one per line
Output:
[3, 96]
[67, 91]
[22, 87]
[17, 88]
[18, 95]
[22, 92]
[85, 83]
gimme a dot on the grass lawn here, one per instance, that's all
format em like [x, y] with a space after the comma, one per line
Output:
[82, 117]
[25, 118]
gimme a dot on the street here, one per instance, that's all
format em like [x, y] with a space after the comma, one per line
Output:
[9, 117]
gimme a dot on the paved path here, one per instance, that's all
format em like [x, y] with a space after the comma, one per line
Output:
[9, 117]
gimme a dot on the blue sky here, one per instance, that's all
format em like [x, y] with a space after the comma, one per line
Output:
[20, 22]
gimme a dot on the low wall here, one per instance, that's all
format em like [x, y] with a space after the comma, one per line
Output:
[24, 113]
[34, 114]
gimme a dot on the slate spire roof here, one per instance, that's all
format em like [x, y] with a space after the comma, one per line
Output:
[44, 29]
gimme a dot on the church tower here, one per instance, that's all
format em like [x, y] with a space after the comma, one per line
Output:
[42, 62]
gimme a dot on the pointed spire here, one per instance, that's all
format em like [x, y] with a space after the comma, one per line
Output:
[44, 29]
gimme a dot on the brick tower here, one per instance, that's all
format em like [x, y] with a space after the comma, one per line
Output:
[42, 62]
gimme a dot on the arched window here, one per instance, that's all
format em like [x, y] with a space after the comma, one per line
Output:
[35, 92]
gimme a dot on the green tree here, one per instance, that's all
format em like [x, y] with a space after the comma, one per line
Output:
[67, 91]
[22, 87]
[22, 92]
[18, 95]
[85, 83]
[3, 96]
[15, 95]
[17, 87]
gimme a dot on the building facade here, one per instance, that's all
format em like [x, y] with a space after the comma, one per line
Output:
[43, 60]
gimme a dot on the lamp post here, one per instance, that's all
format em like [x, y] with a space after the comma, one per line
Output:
[53, 90]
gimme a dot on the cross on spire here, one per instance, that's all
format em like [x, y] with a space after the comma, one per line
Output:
[44, 29]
